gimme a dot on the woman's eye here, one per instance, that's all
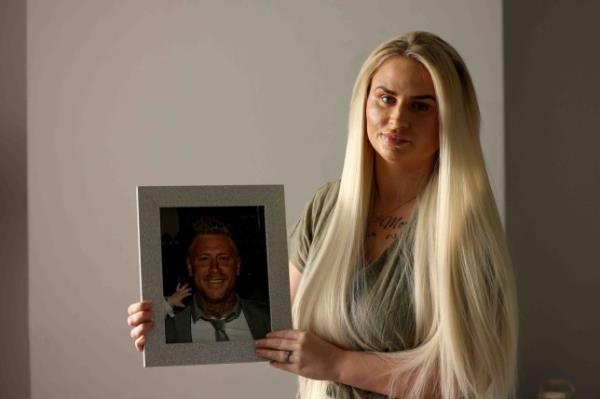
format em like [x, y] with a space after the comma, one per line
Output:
[421, 106]
[387, 99]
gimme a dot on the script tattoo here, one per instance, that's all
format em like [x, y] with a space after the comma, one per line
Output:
[387, 224]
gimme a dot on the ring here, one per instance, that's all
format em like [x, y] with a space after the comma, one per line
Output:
[287, 358]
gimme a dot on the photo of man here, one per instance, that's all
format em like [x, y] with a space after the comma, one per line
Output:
[216, 311]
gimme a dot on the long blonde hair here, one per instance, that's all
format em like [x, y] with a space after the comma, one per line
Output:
[463, 293]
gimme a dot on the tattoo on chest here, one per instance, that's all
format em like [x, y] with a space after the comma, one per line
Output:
[386, 225]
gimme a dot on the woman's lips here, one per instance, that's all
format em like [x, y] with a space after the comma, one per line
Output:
[394, 139]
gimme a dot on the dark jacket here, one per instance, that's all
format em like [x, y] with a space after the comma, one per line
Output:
[178, 329]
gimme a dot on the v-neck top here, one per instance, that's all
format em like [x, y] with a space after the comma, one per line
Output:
[312, 224]
[387, 282]
[389, 275]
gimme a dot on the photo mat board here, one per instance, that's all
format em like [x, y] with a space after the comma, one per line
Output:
[168, 220]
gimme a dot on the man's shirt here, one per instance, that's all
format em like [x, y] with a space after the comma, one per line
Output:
[203, 331]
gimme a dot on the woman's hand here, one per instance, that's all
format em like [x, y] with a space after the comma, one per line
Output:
[182, 291]
[140, 319]
[302, 353]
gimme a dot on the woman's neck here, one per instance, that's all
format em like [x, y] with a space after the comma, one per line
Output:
[398, 184]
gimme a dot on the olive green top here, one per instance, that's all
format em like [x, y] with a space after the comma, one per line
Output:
[312, 223]
[388, 282]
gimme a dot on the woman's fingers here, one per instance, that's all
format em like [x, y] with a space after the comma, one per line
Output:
[274, 355]
[286, 334]
[139, 317]
[139, 306]
[140, 343]
[277, 343]
[300, 352]
[141, 329]
[278, 350]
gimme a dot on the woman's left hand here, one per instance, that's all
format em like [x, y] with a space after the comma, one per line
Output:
[301, 352]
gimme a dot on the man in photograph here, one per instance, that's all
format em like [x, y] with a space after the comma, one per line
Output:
[216, 313]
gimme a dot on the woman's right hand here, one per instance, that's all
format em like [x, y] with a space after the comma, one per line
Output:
[140, 321]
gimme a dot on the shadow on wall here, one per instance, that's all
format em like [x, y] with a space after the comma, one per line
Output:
[14, 340]
[553, 190]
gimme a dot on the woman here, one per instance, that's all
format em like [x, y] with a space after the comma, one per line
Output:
[399, 272]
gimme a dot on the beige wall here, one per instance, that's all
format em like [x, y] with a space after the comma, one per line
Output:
[553, 187]
[126, 93]
[14, 343]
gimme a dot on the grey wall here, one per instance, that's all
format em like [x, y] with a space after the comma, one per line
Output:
[191, 92]
[14, 343]
[553, 187]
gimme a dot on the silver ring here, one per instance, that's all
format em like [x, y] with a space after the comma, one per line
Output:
[287, 358]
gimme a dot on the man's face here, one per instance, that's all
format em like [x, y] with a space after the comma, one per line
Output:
[214, 266]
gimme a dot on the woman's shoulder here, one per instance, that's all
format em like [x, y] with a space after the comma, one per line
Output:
[320, 206]
[318, 209]
[326, 193]
[312, 222]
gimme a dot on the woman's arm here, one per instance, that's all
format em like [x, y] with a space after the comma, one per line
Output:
[295, 277]
[371, 372]
[315, 358]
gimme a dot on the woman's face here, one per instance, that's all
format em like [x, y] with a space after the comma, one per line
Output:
[402, 113]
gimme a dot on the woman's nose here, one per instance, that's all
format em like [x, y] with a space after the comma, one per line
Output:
[400, 117]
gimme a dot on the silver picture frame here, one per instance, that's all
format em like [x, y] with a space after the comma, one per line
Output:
[151, 200]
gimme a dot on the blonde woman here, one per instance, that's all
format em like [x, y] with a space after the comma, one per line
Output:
[399, 273]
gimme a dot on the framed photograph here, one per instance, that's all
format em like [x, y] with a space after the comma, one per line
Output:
[214, 262]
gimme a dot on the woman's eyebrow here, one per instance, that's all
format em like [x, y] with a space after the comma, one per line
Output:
[419, 97]
[425, 97]
[387, 90]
